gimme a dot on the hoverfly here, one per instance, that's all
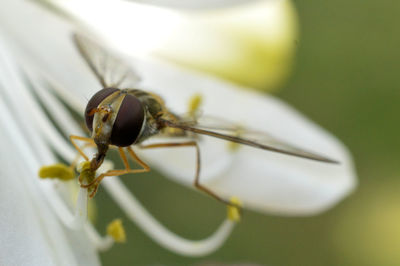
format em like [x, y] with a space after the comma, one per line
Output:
[121, 116]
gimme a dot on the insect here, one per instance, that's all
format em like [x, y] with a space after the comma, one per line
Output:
[121, 116]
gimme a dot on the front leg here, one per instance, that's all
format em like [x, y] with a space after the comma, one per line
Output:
[94, 184]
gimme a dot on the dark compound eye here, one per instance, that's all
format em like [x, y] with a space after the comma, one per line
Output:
[94, 103]
[128, 123]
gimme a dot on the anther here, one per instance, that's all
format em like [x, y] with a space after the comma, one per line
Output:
[194, 104]
[57, 171]
[116, 231]
[233, 211]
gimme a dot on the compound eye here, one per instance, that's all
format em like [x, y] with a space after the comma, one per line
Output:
[128, 123]
[94, 103]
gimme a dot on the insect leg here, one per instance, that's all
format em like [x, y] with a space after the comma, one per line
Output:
[137, 159]
[75, 161]
[96, 182]
[196, 182]
[73, 138]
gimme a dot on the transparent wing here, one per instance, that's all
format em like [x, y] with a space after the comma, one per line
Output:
[110, 70]
[219, 128]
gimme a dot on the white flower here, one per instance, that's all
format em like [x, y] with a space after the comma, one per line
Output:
[264, 181]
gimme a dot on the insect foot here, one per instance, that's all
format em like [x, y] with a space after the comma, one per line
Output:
[87, 176]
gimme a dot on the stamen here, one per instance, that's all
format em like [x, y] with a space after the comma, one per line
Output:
[169, 240]
[116, 231]
[233, 146]
[233, 211]
[73, 221]
[101, 243]
[57, 171]
[81, 209]
[194, 104]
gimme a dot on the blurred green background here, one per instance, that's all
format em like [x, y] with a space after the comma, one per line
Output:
[345, 78]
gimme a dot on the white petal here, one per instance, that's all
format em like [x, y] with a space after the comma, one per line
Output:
[31, 233]
[24, 238]
[193, 4]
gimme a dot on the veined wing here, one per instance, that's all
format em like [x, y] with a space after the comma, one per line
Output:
[110, 70]
[225, 130]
